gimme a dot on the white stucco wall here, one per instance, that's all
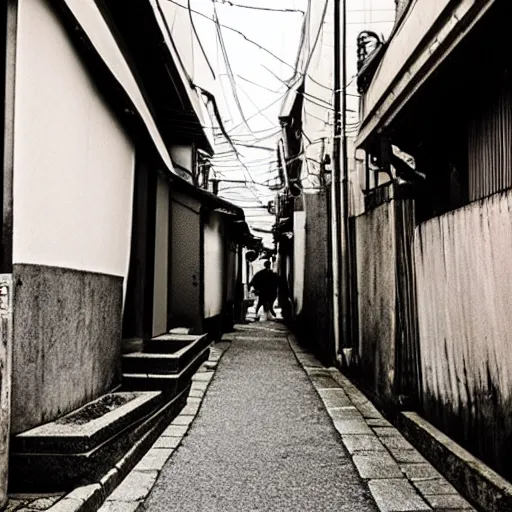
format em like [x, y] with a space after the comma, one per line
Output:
[73, 164]
[94, 25]
[213, 266]
[299, 256]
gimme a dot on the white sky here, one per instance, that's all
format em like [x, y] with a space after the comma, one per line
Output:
[279, 33]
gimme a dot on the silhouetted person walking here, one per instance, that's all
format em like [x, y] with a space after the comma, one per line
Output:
[266, 283]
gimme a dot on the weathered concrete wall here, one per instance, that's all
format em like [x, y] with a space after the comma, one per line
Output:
[376, 253]
[213, 265]
[316, 318]
[299, 252]
[6, 335]
[67, 341]
[73, 193]
[464, 271]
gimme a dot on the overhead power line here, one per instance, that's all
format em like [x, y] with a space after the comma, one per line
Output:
[228, 66]
[198, 38]
[271, 9]
[240, 33]
[236, 31]
[259, 85]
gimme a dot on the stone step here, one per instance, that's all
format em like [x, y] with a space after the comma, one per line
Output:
[167, 382]
[176, 344]
[167, 354]
[64, 470]
[85, 428]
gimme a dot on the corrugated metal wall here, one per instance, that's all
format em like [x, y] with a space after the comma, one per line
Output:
[464, 276]
[408, 375]
[490, 147]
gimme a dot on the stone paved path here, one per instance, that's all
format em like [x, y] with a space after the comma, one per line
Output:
[263, 440]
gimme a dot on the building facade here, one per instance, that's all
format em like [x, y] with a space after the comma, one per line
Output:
[104, 149]
[433, 237]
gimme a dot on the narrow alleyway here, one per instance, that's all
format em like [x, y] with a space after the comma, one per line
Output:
[262, 441]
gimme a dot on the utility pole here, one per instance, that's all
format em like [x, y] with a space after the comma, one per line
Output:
[340, 224]
[346, 314]
[336, 184]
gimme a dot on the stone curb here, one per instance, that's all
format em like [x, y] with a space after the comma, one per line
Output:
[135, 474]
[474, 478]
[397, 475]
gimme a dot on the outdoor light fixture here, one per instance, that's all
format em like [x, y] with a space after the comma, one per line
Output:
[295, 188]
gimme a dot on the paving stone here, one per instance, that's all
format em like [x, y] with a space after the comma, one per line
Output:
[196, 393]
[368, 410]
[183, 420]
[378, 422]
[352, 427]
[448, 501]
[339, 377]
[308, 360]
[199, 385]
[344, 413]
[362, 443]
[334, 398]
[396, 495]
[376, 465]
[67, 505]
[324, 382]
[175, 431]
[154, 459]
[205, 376]
[386, 431]
[191, 409]
[436, 486]
[135, 487]
[401, 455]
[317, 372]
[396, 442]
[167, 442]
[119, 506]
[419, 471]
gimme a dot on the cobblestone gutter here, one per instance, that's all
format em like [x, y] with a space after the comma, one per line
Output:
[398, 476]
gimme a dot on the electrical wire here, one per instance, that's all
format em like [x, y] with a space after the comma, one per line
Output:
[189, 8]
[262, 48]
[259, 111]
[236, 31]
[259, 85]
[271, 9]
[228, 66]
[304, 94]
